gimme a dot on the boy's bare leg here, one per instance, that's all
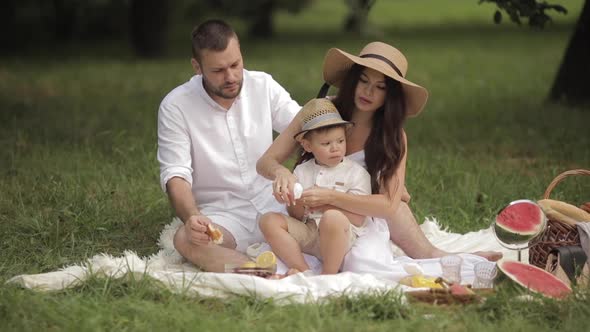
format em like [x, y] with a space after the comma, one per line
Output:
[334, 228]
[210, 257]
[406, 234]
[275, 229]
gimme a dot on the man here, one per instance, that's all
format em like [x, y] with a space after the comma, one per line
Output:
[211, 131]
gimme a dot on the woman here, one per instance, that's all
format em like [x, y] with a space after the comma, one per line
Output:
[374, 94]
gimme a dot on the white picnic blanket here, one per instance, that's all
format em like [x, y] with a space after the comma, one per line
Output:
[168, 267]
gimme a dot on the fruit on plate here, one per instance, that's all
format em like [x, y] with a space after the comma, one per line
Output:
[420, 281]
[519, 222]
[267, 260]
[458, 289]
[248, 265]
[534, 279]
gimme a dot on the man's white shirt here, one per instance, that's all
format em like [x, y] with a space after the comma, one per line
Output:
[216, 150]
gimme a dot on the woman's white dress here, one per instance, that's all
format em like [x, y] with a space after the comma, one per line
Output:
[374, 253]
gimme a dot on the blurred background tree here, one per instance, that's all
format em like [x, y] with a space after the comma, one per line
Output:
[258, 13]
[145, 24]
[358, 15]
[570, 84]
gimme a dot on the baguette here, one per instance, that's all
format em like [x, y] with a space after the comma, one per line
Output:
[564, 212]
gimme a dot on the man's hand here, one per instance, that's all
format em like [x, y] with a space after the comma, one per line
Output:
[195, 228]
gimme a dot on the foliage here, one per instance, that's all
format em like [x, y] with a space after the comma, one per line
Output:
[258, 13]
[533, 10]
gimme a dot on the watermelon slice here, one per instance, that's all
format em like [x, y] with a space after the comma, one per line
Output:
[534, 279]
[519, 222]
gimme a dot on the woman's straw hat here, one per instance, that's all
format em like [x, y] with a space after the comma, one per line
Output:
[319, 113]
[383, 58]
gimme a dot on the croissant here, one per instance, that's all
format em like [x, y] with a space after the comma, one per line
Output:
[215, 234]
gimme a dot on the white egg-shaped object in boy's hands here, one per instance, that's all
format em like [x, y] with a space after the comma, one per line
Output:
[297, 190]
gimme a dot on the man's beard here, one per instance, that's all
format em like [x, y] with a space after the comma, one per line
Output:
[219, 91]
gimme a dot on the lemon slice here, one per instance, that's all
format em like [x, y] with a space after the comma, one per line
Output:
[248, 265]
[266, 260]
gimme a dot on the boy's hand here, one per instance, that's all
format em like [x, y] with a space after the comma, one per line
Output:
[283, 186]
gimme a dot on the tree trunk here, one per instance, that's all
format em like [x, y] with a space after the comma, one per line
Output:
[149, 27]
[571, 84]
[262, 25]
[65, 20]
[8, 26]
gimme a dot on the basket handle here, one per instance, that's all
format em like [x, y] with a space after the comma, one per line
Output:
[561, 177]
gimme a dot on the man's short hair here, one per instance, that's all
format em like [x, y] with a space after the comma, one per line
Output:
[211, 35]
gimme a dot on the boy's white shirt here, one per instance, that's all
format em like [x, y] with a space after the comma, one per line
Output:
[348, 176]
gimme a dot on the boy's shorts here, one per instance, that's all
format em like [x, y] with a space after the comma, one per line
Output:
[307, 235]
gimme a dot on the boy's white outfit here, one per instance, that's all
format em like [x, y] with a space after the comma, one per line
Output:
[216, 150]
[347, 176]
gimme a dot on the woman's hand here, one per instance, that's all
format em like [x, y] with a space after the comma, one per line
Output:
[315, 197]
[283, 185]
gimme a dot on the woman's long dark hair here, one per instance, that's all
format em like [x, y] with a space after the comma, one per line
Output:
[384, 147]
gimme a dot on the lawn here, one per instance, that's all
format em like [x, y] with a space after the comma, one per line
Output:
[79, 176]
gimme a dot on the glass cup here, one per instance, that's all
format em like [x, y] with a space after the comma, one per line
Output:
[485, 272]
[451, 268]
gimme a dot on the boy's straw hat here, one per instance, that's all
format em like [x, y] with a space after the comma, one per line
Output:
[382, 57]
[319, 113]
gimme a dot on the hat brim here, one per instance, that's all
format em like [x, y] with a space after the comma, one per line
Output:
[300, 134]
[337, 63]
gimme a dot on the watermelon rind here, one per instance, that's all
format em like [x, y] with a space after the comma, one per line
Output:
[532, 278]
[512, 237]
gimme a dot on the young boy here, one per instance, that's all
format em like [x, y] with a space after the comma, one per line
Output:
[328, 235]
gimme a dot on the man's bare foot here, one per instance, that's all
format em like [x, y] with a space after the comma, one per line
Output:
[492, 256]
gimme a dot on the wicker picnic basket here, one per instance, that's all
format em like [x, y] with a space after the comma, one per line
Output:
[557, 233]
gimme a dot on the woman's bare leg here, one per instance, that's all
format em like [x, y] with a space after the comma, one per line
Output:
[406, 234]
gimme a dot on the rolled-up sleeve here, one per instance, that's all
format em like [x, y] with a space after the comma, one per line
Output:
[174, 145]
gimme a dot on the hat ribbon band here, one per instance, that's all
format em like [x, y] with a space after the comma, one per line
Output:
[331, 116]
[384, 59]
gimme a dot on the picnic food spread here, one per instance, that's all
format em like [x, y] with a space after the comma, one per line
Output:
[265, 266]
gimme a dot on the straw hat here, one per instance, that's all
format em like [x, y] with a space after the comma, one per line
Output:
[319, 113]
[383, 58]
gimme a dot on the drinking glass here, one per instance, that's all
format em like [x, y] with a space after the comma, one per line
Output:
[485, 272]
[451, 268]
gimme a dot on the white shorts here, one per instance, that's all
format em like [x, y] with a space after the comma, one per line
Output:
[241, 234]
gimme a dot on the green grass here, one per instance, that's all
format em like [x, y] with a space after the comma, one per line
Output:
[78, 174]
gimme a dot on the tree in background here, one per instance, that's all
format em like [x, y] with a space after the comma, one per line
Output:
[358, 14]
[257, 13]
[148, 24]
[570, 84]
